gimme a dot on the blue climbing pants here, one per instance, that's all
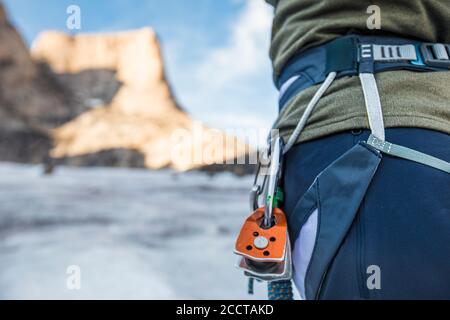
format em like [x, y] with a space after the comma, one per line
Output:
[397, 244]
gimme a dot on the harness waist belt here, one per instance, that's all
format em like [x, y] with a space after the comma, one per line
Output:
[355, 54]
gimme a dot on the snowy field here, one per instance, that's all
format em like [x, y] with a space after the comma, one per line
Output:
[134, 234]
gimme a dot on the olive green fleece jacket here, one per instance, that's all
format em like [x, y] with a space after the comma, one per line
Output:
[409, 99]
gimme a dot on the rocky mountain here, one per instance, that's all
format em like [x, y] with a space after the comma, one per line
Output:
[102, 99]
[31, 100]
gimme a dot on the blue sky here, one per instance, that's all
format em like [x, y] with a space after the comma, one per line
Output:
[216, 51]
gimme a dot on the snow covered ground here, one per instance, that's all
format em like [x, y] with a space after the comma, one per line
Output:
[134, 234]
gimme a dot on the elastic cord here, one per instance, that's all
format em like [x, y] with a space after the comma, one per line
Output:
[302, 122]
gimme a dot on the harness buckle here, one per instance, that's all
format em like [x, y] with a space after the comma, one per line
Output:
[436, 54]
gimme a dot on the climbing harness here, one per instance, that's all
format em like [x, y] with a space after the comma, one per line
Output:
[354, 54]
[325, 213]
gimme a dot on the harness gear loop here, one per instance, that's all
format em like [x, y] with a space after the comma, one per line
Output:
[309, 109]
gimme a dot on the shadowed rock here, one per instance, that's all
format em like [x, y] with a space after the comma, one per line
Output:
[107, 158]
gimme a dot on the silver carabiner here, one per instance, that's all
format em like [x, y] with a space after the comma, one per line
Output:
[257, 189]
[275, 171]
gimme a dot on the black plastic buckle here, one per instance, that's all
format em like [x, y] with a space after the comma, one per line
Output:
[436, 54]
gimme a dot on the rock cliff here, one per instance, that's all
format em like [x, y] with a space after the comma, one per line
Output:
[99, 99]
[141, 114]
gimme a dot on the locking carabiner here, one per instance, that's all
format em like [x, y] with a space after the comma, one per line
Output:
[275, 172]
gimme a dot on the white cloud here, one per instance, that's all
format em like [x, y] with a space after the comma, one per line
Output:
[229, 85]
[245, 51]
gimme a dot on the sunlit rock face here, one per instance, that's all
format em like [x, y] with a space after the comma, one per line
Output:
[133, 106]
[95, 96]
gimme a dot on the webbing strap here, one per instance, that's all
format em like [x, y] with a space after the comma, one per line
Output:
[408, 154]
[388, 53]
[373, 104]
